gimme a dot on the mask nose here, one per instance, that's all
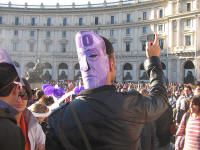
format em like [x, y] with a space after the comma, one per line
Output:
[84, 65]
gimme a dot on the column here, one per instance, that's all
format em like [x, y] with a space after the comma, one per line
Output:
[197, 68]
[55, 71]
[71, 71]
[196, 33]
[117, 71]
[178, 73]
[135, 71]
[155, 28]
[178, 6]
[196, 4]
[121, 72]
[153, 14]
[196, 46]
[21, 69]
[170, 34]
[171, 7]
[178, 32]
[169, 68]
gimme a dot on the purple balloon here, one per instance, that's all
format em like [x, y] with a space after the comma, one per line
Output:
[81, 88]
[45, 86]
[76, 90]
[58, 92]
[49, 90]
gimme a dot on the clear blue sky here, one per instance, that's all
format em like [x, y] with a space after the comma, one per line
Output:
[54, 2]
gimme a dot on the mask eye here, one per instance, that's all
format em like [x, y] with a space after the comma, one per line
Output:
[93, 56]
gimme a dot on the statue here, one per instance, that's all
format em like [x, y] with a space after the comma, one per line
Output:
[46, 77]
[34, 74]
[77, 75]
[189, 78]
[62, 76]
[144, 76]
[128, 76]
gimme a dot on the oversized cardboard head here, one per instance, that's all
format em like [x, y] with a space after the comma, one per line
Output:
[92, 57]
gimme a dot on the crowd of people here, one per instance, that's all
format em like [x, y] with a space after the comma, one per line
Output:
[96, 112]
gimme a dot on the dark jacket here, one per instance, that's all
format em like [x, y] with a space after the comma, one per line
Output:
[111, 120]
[163, 124]
[157, 134]
[11, 136]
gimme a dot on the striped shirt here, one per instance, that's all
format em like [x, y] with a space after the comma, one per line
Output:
[192, 135]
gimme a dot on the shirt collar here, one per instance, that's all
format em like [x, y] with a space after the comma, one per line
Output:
[96, 90]
[6, 106]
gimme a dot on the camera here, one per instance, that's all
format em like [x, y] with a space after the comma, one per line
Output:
[151, 38]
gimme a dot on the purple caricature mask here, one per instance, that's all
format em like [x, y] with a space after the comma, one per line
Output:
[93, 60]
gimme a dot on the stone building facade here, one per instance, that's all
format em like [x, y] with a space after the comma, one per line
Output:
[47, 33]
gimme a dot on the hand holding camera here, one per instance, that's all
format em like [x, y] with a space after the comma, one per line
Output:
[152, 46]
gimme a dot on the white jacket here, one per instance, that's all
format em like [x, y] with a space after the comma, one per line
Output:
[35, 132]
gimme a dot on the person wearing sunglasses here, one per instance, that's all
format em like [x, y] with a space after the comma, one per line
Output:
[11, 136]
[33, 133]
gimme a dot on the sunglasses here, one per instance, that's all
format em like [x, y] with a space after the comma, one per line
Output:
[23, 95]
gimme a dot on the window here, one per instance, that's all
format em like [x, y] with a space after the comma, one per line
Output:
[33, 21]
[96, 20]
[32, 33]
[161, 43]
[128, 31]
[127, 46]
[112, 21]
[16, 32]
[160, 27]
[144, 15]
[64, 34]
[49, 22]
[16, 21]
[63, 47]
[187, 40]
[64, 21]
[188, 6]
[160, 13]
[128, 18]
[48, 34]
[15, 46]
[144, 29]
[188, 22]
[47, 46]
[80, 21]
[143, 45]
[0, 20]
[111, 32]
[31, 46]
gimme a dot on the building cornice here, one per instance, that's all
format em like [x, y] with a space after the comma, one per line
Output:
[62, 10]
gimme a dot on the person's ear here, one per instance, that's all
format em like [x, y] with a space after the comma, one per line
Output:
[15, 90]
[111, 64]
